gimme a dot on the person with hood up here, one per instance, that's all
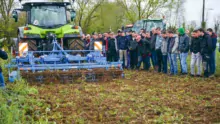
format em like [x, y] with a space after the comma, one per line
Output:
[183, 49]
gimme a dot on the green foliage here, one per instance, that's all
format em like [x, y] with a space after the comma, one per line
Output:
[106, 21]
[16, 104]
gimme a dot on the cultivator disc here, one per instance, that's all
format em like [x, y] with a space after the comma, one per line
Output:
[72, 76]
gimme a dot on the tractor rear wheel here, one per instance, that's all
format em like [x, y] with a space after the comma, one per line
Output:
[73, 44]
[32, 44]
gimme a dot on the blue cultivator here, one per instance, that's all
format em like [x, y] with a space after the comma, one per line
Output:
[61, 65]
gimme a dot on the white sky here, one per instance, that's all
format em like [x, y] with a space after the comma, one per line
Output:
[193, 10]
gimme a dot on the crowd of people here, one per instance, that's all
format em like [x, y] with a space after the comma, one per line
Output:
[160, 49]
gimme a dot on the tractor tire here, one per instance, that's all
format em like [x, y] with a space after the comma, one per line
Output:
[32, 44]
[74, 44]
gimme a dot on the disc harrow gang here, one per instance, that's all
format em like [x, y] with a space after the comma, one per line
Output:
[72, 76]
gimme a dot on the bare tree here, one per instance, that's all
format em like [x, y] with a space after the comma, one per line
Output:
[217, 23]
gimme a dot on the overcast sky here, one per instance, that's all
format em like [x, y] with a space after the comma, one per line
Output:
[193, 10]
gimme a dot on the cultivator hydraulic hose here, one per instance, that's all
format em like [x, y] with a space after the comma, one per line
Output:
[63, 66]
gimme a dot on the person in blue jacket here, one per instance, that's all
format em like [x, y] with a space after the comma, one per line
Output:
[4, 56]
[123, 47]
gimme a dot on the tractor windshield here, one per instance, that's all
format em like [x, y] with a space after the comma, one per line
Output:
[153, 24]
[48, 16]
[147, 25]
[138, 26]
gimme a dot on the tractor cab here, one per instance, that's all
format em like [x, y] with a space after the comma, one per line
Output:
[46, 14]
[45, 18]
[148, 25]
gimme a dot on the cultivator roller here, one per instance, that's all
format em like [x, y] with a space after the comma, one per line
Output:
[63, 66]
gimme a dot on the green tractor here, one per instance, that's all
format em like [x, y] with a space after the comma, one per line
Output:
[44, 18]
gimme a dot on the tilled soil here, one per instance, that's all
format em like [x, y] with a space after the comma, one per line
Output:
[142, 97]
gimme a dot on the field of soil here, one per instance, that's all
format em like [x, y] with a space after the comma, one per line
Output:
[142, 97]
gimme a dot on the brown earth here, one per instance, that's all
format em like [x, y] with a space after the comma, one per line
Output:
[143, 97]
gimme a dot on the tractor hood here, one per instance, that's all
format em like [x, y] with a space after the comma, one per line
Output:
[66, 31]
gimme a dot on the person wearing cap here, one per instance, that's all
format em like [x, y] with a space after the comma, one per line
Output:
[206, 50]
[183, 49]
[4, 56]
[213, 54]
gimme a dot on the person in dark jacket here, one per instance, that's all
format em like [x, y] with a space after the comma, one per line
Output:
[206, 50]
[129, 38]
[158, 45]
[183, 49]
[143, 51]
[4, 56]
[112, 54]
[196, 57]
[213, 54]
[123, 47]
[153, 51]
[132, 46]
